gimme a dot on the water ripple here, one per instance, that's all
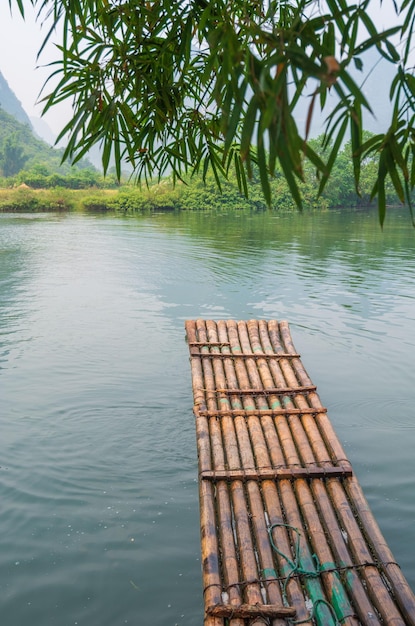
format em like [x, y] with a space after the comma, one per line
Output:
[98, 462]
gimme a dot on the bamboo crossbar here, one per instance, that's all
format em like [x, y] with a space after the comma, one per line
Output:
[249, 611]
[257, 412]
[284, 522]
[275, 391]
[248, 355]
[208, 343]
[324, 569]
[271, 474]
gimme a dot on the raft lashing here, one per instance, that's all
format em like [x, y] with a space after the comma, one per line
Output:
[287, 535]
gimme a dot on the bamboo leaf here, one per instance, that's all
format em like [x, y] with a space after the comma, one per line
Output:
[358, 63]
[240, 175]
[263, 171]
[292, 184]
[355, 90]
[333, 154]
[233, 124]
[380, 188]
[356, 139]
[394, 175]
[248, 126]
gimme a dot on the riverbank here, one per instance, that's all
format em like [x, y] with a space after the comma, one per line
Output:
[25, 199]
[193, 195]
[129, 198]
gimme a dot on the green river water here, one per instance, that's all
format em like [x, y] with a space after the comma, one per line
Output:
[99, 519]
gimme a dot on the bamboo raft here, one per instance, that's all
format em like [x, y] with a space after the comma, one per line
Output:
[287, 535]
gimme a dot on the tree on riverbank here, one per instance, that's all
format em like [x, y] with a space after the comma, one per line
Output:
[208, 84]
[12, 156]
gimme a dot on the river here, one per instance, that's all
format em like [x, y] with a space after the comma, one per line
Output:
[99, 519]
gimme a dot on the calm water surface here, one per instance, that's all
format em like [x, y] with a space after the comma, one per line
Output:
[99, 521]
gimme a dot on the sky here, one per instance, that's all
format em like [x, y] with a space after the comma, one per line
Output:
[20, 41]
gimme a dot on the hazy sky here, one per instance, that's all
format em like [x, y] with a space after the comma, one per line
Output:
[20, 41]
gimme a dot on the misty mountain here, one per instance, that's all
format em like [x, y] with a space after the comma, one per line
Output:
[43, 130]
[31, 140]
[10, 104]
[17, 137]
[38, 154]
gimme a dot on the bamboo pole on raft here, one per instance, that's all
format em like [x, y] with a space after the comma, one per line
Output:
[209, 539]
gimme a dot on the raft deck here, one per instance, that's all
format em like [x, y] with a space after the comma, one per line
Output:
[287, 535]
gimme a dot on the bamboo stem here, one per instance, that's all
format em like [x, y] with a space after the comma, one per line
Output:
[209, 539]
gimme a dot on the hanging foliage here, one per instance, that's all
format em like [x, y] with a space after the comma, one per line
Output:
[173, 86]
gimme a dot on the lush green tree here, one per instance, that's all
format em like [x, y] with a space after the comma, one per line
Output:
[173, 85]
[12, 156]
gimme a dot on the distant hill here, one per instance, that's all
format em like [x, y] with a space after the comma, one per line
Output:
[36, 150]
[38, 154]
[10, 104]
[20, 143]
[43, 130]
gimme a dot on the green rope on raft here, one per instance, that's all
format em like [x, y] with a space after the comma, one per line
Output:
[297, 569]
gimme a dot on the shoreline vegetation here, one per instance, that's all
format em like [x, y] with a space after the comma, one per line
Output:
[39, 189]
[166, 196]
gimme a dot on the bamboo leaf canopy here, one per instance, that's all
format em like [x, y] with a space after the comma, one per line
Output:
[173, 86]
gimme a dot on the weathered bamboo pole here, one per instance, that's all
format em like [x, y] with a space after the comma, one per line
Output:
[362, 551]
[263, 473]
[209, 539]
[260, 412]
[248, 611]
[228, 552]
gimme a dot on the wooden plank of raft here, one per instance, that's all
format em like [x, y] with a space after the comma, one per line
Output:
[285, 472]
[248, 611]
